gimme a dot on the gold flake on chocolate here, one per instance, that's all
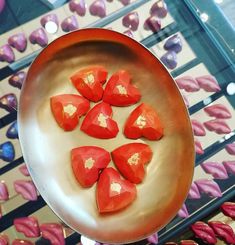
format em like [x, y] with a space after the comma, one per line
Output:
[134, 159]
[90, 79]
[70, 109]
[115, 187]
[89, 163]
[102, 120]
[121, 89]
[141, 121]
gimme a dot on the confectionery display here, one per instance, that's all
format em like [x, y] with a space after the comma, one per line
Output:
[200, 64]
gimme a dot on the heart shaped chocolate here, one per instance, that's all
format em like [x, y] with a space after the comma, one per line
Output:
[119, 91]
[131, 159]
[114, 193]
[98, 8]
[87, 161]
[18, 41]
[98, 122]
[143, 121]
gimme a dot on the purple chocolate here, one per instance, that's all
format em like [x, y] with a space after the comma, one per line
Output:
[131, 21]
[153, 23]
[169, 59]
[183, 212]
[198, 147]
[194, 192]
[39, 37]
[159, 9]
[188, 83]
[7, 54]
[9, 102]
[69, 24]
[17, 79]
[198, 128]
[26, 188]
[230, 148]
[98, 8]
[218, 111]
[208, 83]
[173, 43]
[209, 187]
[78, 6]
[216, 169]
[218, 126]
[18, 41]
[229, 166]
[153, 239]
[49, 17]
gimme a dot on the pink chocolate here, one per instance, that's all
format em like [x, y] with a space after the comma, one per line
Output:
[24, 170]
[98, 8]
[230, 148]
[4, 195]
[198, 128]
[18, 41]
[27, 225]
[188, 83]
[204, 232]
[208, 83]
[218, 111]
[153, 239]
[4, 239]
[228, 209]
[53, 232]
[183, 212]
[198, 147]
[209, 187]
[194, 192]
[27, 189]
[229, 166]
[185, 100]
[218, 126]
[217, 170]
[223, 231]
[131, 21]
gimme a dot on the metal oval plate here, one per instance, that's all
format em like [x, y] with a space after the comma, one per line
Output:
[46, 147]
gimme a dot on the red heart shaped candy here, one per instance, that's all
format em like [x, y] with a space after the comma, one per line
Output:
[89, 81]
[119, 91]
[99, 123]
[143, 121]
[87, 161]
[130, 160]
[114, 193]
[67, 108]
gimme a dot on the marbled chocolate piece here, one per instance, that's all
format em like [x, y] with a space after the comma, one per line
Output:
[7, 54]
[131, 21]
[18, 41]
[98, 8]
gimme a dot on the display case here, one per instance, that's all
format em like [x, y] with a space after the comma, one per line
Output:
[196, 42]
